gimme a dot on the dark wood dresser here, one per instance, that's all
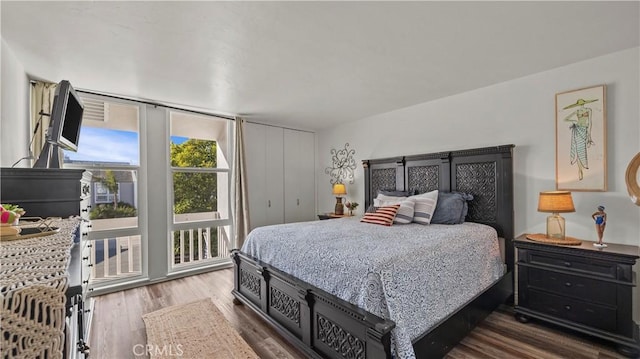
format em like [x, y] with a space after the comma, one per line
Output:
[62, 193]
[583, 288]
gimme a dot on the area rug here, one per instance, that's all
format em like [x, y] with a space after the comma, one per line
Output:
[193, 330]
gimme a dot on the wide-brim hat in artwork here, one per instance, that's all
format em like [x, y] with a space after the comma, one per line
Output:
[580, 102]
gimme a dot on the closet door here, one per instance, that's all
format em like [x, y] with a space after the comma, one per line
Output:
[265, 169]
[274, 174]
[299, 176]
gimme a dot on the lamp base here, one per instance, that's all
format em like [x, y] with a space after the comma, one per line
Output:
[555, 226]
[339, 206]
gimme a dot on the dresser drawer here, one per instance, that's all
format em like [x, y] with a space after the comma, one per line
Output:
[571, 263]
[587, 289]
[593, 315]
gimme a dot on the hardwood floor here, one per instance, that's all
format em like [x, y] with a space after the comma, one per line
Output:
[118, 330]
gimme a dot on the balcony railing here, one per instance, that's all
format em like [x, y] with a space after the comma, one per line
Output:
[119, 257]
[200, 244]
[115, 258]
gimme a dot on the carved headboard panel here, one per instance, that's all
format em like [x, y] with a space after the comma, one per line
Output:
[425, 173]
[486, 173]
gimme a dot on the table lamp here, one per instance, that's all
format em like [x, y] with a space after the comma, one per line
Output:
[555, 202]
[339, 190]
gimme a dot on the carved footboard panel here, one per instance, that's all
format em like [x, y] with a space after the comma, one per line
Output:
[318, 322]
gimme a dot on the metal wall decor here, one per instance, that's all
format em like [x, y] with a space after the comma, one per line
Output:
[343, 165]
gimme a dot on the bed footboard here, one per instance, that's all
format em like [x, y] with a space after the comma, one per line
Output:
[317, 322]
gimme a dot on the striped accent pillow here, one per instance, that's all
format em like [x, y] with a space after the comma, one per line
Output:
[383, 215]
[405, 212]
[424, 210]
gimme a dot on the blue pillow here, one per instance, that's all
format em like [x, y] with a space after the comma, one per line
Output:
[451, 208]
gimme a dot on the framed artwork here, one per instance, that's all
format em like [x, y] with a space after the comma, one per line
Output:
[581, 140]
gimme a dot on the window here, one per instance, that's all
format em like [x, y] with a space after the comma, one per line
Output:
[109, 149]
[102, 194]
[200, 182]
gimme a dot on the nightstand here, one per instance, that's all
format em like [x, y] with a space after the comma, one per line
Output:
[333, 216]
[580, 287]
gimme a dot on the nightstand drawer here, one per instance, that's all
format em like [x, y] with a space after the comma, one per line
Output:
[576, 264]
[590, 314]
[592, 290]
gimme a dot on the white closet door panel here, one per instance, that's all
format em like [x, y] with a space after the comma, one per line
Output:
[274, 176]
[256, 157]
[307, 185]
[299, 176]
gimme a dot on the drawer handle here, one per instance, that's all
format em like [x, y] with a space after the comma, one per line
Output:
[567, 307]
[85, 258]
[567, 264]
[568, 284]
[89, 245]
[89, 265]
[85, 281]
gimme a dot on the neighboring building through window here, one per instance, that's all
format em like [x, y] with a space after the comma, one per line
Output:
[104, 195]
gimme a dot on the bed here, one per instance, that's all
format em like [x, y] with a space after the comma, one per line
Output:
[329, 318]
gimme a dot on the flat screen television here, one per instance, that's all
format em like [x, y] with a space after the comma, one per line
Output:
[64, 126]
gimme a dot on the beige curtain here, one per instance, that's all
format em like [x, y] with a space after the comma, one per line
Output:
[241, 208]
[42, 94]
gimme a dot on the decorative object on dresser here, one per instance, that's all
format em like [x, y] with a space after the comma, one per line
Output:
[351, 206]
[632, 179]
[555, 202]
[581, 140]
[318, 317]
[339, 190]
[600, 217]
[582, 288]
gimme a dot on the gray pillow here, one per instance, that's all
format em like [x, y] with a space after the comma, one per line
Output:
[451, 208]
[394, 193]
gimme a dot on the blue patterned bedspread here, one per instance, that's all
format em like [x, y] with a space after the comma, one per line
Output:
[412, 274]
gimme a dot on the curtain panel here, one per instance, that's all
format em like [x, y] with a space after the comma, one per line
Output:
[42, 94]
[241, 208]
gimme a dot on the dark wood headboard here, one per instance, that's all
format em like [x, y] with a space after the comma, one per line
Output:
[486, 173]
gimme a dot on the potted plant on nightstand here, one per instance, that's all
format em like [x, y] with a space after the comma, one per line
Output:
[351, 206]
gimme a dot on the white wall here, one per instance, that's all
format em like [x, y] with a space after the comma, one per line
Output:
[521, 112]
[14, 109]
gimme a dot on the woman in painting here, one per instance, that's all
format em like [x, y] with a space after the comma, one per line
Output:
[600, 217]
[580, 134]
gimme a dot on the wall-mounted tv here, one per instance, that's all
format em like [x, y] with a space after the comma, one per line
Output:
[64, 126]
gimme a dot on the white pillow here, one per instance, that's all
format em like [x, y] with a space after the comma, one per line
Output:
[383, 200]
[405, 212]
[433, 194]
[425, 205]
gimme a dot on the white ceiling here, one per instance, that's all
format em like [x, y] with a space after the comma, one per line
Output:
[307, 65]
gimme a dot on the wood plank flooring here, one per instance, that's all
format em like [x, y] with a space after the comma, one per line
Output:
[118, 330]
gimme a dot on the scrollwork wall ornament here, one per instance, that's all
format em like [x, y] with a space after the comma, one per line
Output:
[343, 165]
